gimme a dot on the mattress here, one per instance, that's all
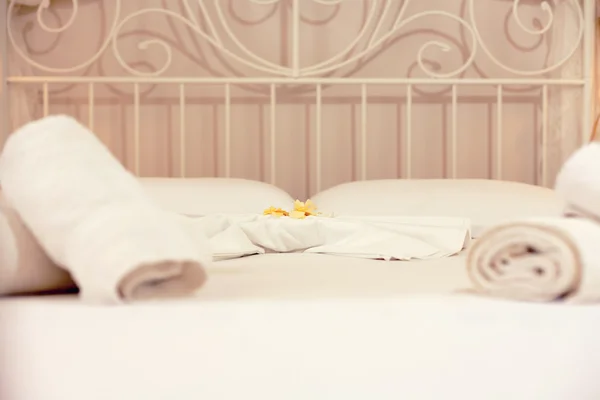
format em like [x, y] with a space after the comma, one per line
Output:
[303, 327]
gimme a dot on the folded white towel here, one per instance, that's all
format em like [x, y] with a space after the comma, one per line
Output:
[388, 238]
[93, 218]
[538, 260]
[578, 182]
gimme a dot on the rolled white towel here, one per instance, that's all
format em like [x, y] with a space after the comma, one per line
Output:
[538, 260]
[94, 219]
[578, 183]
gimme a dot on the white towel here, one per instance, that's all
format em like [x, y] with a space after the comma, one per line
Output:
[538, 260]
[387, 238]
[578, 182]
[93, 218]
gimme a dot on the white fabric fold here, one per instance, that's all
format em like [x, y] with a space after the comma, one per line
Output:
[578, 182]
[538, 260]
[93, 218]
[387, 238]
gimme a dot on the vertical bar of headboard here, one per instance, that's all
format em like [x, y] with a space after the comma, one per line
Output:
[182, 132]
[408, 140]
[318, 133]
[364, 103]
[91, 106]
[227, 130]
[273, 134]
[4, 94]
[544, 144]
[454, 134]
[45, 99]
[136, 129]
[296, 21]
[498, 153]
[589, 51]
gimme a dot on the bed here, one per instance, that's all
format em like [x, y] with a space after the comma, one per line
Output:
[421, 348]
[190, 99]
[270, 327]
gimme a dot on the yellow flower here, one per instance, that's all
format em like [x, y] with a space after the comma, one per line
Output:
[303, 209]
[277, 212]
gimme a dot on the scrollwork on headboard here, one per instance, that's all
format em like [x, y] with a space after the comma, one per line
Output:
[383, 22]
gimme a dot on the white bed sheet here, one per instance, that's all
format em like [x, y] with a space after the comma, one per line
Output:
[269, 327]
[318, 276]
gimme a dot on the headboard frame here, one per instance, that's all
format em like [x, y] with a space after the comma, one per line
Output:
[310, 93]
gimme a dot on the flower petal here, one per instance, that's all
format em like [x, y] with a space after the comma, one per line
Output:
[297, 214]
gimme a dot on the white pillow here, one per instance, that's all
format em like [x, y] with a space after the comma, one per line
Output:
[202, 196]
[484, 202]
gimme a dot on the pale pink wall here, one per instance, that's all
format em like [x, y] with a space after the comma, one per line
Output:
[265, 30]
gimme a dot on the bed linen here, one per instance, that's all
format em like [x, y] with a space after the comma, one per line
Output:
[93, 218]
[386, 238]
[212, 195]
[319, 276]
[485, 202]
[303, 326]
